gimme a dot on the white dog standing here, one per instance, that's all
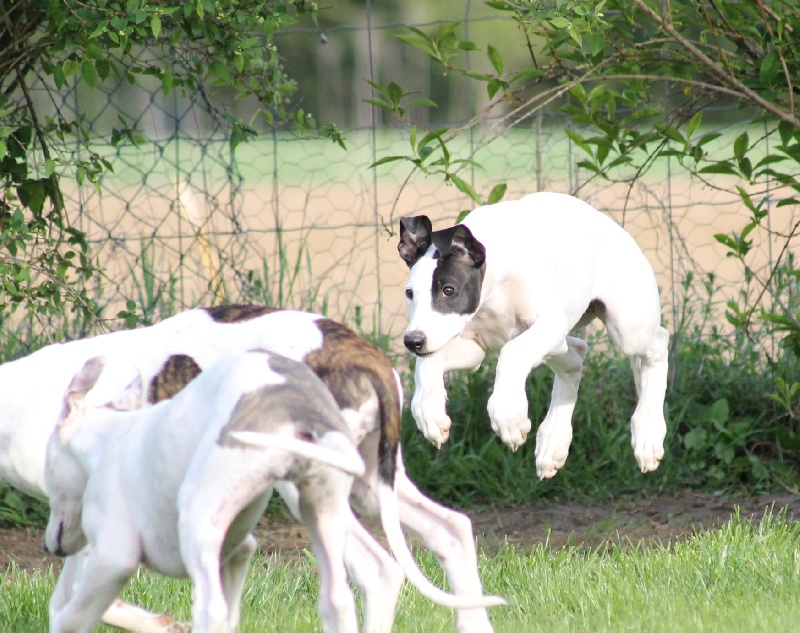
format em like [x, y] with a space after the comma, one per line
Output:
[367, 390]
[518, 277]
[177, 485]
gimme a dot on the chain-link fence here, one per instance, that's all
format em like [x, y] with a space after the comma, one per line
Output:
[184, 222]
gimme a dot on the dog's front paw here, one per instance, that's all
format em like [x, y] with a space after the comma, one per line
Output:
[552, 448]
[179, 627]
[648, 444]
[508, 413]
[431, 417]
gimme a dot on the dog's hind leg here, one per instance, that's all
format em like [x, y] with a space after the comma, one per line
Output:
[632, 318]
[448, 535]
[648, 427]
[325, 511]
[234, 574]
[129, 617]
[375, 574]
[555, 432]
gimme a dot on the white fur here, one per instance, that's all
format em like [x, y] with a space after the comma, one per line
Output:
[164, 485]
[548, 256]
[32, 399]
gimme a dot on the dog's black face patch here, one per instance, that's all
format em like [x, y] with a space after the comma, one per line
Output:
[456, 288]
[458, 276]
[237, 313]
[177, 372]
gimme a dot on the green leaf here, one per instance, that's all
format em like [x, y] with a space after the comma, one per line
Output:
[741, 145]
[497, 193]
[696, 439]
[379, 103]
[421, 103]
[99, 30]
[422, 42]
[769, 68]
[155, 25]
[465, 187]
[723, 167]
[395, 92]
[166, 81]
[200, 10]
[495, 58]
[694, 123]
[574, 34]
[49, 166]
[433, 134]
[88, 73]
[388, 159]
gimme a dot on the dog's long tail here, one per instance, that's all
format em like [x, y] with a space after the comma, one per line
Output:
[390, 520]
[333, 450]
[388, 390]
[349, 365]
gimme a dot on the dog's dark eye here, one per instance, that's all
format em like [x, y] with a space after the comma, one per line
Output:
[409, 294]
[448, 291]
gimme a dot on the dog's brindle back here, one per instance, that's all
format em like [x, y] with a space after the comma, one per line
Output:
[351, 368]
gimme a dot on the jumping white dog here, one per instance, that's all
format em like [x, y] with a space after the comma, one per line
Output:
[518, 277]
[363, 383]
[175, 485]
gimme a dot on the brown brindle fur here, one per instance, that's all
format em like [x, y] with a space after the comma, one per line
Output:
[177, 372]
[238, 313]
[350, 367]
[353, 370]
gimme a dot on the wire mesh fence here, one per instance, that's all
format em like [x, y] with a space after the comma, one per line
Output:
[182, 221]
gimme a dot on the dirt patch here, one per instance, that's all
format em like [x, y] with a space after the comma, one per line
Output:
[664, 518]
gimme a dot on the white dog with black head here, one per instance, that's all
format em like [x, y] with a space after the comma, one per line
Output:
[181, 485]
[518, 277]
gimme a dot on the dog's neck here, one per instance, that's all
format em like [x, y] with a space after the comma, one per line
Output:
[100, 430]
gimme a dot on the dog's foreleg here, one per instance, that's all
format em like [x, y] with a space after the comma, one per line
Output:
[508, 404]
[648, 427]
[555, 432]
[429, 403]
[448, 534]
[67, 579]
[325, 510]
[119, 614]
[107, 570]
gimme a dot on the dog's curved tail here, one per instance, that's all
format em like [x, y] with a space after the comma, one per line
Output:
[390, 520]
[388, 388]
[351, 368]
[334, 449]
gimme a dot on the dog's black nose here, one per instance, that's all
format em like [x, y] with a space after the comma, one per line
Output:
[414, 341]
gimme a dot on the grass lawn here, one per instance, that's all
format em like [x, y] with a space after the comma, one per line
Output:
[742, 577]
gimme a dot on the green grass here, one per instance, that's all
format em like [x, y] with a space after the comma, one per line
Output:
[744, 576]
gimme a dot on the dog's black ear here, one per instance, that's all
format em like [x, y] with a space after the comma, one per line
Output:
[458, 243]
[415, 238]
